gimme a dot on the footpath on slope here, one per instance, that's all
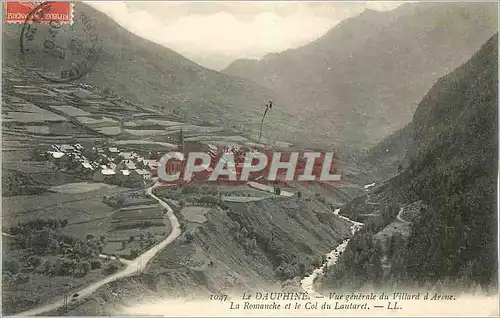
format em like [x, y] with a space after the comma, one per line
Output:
[131, 267]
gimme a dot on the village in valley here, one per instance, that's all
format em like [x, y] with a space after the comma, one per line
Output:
[109, 165]
[79, 165]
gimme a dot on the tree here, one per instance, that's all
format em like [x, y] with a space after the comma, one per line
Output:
[134, 253]
[41, 240]
[84, 267]
[124, 244]
[120, 200]
[53, 223]
[64, 222]
[209, 200]
[302, 269]
[250, 245]
[182, 203]
[140, 165]
[299, 195]
[204, 189]
[12, 266]
[317, 261]
[277, 190]
[95, 264]
[188, 237]
[73, 265]
[131, 238]
[49, 270]
[23, 279]
[89, 237]
[114, 266]
[63, 266]
[34, 261]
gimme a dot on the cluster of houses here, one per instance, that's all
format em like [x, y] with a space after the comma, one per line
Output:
[108, 165]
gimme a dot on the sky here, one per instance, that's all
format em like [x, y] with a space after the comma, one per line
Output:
[214, 34]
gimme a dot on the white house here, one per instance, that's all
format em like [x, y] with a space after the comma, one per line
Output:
[67, 148]
[79, 147]
[122, 175]
[59, 158]
[126, 155]
[104, 175]
[57, 154]
[85, 169]
[126, 165]
[151, 164]
[145, 175]
[113, 150]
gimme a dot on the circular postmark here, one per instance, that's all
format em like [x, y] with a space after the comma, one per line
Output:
[55, 50]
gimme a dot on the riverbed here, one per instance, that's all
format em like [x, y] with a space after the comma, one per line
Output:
[332, 257]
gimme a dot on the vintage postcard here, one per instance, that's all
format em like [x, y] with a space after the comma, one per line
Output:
[252, 158]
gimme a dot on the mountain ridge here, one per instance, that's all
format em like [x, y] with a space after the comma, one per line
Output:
[160, 78]
[372, 69]
[447, 188]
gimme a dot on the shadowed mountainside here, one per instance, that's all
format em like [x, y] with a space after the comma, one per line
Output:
[451, 153]
[454, 170]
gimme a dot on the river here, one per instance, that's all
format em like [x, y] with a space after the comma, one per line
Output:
[332, 257]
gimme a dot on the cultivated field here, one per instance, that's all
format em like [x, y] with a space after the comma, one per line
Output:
[109, 131]
[195, 214]
[95, 122]
[85, 211]
[80, 187]
[144, 142]
[71, 111]
[241, 199]
[140, 132]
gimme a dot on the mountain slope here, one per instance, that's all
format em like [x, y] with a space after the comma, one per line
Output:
[454, 169]
[370, 71]
[253, 246]
[160, 78]
[389, 156]
[451, 179]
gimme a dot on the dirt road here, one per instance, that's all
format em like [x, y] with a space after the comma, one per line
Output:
[131, 267]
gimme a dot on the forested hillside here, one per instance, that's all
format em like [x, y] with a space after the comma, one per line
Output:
[453, 171]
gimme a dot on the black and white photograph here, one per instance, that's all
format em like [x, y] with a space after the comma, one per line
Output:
[249, 158]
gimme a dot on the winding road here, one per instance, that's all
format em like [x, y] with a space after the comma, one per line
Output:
[399, 216]
[131, 267]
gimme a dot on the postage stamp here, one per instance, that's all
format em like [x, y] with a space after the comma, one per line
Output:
[17, 12]
[55, 50]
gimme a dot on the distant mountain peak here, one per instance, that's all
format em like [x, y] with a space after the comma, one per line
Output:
[369, 11]
[379, 63]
